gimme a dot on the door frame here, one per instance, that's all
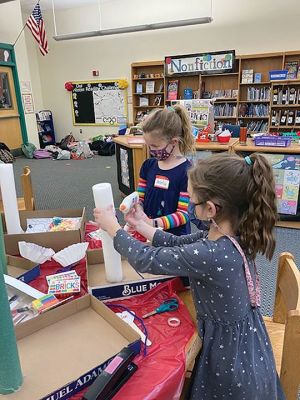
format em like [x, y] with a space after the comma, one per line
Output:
[13, 65]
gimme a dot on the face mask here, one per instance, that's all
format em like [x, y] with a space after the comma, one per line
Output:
[162, 154]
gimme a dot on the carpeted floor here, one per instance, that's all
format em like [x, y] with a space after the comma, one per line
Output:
[68, 184]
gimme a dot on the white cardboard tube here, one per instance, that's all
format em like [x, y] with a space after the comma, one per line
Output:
[103, 198]
[9, 199]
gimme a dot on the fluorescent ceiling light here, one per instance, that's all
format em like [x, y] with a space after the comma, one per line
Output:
[136, 28]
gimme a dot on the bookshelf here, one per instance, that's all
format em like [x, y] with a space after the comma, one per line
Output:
[147, 83]
[237, 102]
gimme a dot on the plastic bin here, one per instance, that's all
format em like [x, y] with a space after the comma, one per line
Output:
[272, 141]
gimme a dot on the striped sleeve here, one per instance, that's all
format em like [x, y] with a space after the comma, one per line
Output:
[180, 216]
[141, 188]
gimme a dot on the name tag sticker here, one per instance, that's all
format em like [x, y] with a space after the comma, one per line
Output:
[161, 182]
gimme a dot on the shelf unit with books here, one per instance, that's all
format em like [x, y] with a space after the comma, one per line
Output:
[254, 93]
[147, 84]
[285, 104]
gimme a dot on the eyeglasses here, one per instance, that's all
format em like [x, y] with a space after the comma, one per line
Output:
[203, 202]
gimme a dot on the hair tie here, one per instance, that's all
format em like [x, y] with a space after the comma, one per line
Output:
[171, 108]
[248, 160]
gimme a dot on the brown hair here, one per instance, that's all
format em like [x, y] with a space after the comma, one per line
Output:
[246, 195]
[170, 123]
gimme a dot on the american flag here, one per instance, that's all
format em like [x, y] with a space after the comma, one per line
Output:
[36, 24]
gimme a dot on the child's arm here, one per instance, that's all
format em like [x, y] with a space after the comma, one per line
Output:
[188, 260]
[141, 189]
[179, 217]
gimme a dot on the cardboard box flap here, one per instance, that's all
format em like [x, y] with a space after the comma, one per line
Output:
[64, 345]
[55, 240]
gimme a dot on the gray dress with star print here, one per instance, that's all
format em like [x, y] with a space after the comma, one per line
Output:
[236, 360]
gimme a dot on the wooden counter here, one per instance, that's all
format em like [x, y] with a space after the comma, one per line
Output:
[130, 157]
[294, 148]
[216, 146]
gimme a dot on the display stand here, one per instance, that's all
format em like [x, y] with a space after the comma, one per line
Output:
[45, 125]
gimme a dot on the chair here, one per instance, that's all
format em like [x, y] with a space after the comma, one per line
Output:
[26, 202]
[284, 327]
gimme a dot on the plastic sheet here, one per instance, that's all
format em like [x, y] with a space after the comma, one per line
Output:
[160, 373]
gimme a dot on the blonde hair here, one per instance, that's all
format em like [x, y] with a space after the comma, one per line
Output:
[246, 195]
[171, 123]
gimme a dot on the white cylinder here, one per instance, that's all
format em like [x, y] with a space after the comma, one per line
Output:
[9, 199]
[103, 198]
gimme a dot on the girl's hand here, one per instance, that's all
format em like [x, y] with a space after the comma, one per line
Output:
[137, 215]
[107, 220]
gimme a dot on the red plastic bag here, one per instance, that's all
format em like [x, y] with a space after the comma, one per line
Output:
[160, 373]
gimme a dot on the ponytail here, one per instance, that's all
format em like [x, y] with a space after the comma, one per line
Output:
[244, 188]
[187, 142]
[257, 222]
[171, 123]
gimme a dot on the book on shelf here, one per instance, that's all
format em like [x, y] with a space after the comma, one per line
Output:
[247, 76]
[144, 102]
[290, 118]
[228, 93]
[161, 87]
[172, 90]
[275, 95]
[235, 93]
[139, 87]
[298, 97]
[297, 117]
[292, 68]
[283, 117]
[258, 93]
[150, 85]
[257, 77]
[157, 100]
[292, 97]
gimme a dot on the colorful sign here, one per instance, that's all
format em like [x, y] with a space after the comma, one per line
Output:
[203, 63]
[286, 168]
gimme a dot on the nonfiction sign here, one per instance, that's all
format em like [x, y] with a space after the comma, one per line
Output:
[203, 63]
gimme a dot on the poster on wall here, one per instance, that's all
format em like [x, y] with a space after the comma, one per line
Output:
[28, 103]
[286, 168]
[201, 63]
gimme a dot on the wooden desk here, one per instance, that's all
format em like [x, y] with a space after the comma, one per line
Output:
[294, 148]
[136, 155]
[216, 146]
[250, 147]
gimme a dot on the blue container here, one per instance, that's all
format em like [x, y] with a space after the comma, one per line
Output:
[279, 74]
[188, 94]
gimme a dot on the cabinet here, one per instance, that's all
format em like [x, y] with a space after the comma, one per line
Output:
[45, 125]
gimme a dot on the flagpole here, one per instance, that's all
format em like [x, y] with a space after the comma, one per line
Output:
[23, 28]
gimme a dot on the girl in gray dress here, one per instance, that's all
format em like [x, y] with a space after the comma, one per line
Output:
[237, 197]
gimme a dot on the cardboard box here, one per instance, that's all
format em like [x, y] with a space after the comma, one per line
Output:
[95, 256]
[65, 349]
[55, 240]
[135, 283]
[17, 267]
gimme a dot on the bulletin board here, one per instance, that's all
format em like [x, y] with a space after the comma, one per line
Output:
[99, 103]
[286, 169]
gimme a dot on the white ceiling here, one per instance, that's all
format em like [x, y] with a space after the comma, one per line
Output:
[28, 5]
